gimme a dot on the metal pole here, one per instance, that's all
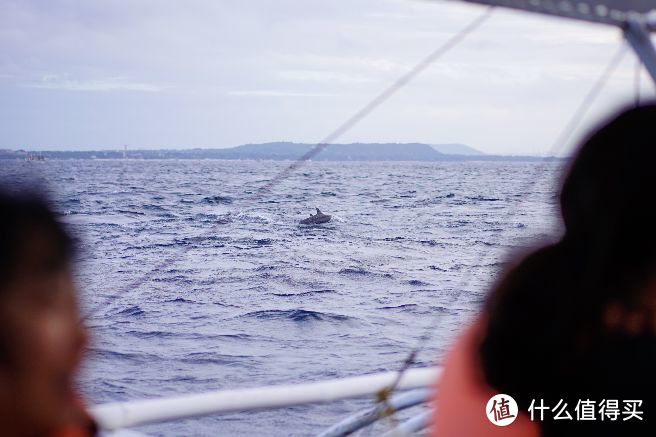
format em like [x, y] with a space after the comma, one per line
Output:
[638, 35]
[365, 418]
[411, 426]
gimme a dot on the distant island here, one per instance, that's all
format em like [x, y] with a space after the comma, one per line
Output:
[286, 151]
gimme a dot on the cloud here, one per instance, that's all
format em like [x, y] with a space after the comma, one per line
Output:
[322, 76]
[53, 82]
[274, 93]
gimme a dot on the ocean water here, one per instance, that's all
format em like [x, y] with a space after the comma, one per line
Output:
[190, 288]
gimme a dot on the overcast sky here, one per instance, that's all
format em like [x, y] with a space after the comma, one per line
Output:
[207, 73]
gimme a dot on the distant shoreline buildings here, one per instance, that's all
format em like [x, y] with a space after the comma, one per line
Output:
[281, 151]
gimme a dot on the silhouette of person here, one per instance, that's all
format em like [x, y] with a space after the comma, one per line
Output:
[41, 337]
[574, 321]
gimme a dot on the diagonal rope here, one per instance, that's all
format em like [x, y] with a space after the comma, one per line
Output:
[560, 141]
[637, 81]
[333, 136]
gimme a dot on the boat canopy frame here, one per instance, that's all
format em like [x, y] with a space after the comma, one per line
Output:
[636, 19]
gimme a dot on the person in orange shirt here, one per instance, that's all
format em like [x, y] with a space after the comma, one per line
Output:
[41, 336]
[569, 332]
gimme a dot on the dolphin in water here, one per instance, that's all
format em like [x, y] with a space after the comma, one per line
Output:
[317, 218]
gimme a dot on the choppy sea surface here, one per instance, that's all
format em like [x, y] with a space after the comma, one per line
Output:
[218, 292]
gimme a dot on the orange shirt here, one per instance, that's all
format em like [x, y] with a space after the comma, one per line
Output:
[82, 426]
[462, 395]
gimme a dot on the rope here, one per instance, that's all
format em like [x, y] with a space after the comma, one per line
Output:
[284, 174]
[637, 79]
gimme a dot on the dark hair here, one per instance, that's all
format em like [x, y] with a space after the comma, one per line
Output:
[24, 214]
[26, 219]
[545, 335]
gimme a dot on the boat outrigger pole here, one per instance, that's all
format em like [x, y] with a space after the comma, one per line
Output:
[638, 33]
[636, 19]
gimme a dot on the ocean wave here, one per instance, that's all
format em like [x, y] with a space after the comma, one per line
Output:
[203, 217]
[131, 311]
[359, 271]
[255, 218]
[234, 337]
[218, 200]
[297, 315]
[252, 243]
[151, 334]
[152, 207]
[73, 201]
[457, 223]
[482, 198]
[132, 357]
[214, 358]
[202, 239]
[440, 309]
[408, 307]
[304, 293]
[178, 280]
[354, 271]
[434, 200]
[129, 212]
[179, 300]
[408, 194]
[433, 243]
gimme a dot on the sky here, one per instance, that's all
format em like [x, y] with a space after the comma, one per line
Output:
[210, 73]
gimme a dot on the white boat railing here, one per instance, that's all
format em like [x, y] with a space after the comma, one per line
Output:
[367, 417]
[410, 426]
[120, 415]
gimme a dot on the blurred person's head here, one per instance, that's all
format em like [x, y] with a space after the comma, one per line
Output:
[607, 204]
[564, 305]
[41, 337]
